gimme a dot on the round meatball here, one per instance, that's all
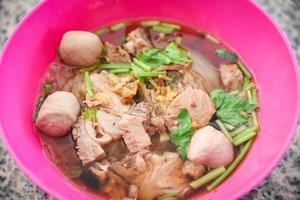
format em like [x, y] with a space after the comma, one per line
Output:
[58, 114]
[80, 48]
[210, 147]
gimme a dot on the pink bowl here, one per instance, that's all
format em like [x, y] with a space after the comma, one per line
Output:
[240, 24]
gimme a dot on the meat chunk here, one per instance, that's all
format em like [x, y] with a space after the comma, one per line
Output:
[192, 169]
[142, 110]
[210, 147]
[108, 124]
[58, 114]
[80, 48]
[138, 42]
[162, 175]
[116, 54]
[231, 76]
[198, 103]
[99, 83]
[88, 149]
[134, 134]
[125, 86]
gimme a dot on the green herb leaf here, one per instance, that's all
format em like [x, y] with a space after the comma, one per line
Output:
[226, 55]
[231, 108]
[47, 86]
[176, 54]
[38, 107]
[87, 82]
[89, 114]
[154, 58]
[172, 54]
[182, 135]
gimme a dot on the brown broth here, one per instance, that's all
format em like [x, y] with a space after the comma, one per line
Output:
[61, 151]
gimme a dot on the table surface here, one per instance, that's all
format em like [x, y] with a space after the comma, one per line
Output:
[283, 183]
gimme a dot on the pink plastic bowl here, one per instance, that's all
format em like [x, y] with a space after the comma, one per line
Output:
[238, 23]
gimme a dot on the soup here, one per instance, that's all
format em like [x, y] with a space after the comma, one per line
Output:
[146, 110]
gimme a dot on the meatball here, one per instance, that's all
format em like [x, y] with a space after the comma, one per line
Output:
[210, 147]
[58, 114]
[80, 48]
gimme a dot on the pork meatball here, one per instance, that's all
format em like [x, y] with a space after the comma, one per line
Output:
[80, 48]
[58, 114]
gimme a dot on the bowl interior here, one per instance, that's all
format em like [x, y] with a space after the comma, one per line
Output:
[240, 24]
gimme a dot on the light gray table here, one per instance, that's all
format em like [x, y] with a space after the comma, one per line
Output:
[284, 182]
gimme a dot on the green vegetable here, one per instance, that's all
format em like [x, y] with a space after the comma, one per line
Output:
[87, 82]
[89, 114]
[182, 135]
[154, 58]
[226, 55]
[149, 23]
[115, 66]
[141, 65]
[162, 29]
[231, 108]
[167, 195]
[118, 26]
[38, 107]
[212, 39]
[207, 177]
[254, 120]
[254, 96]
[232, 166]
[170, 55]
[151, 74]
[238, 130]
[170, 25]
[120, 71]
[229, 126]
[153, 83]
[244, 69]
[101, 31]
[224, 130]
[244, 136]
[47, 86]
[176, 54]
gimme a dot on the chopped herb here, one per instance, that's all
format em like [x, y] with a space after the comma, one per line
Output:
[224, 130]
[244, 136]
[47, 86]
[207, 177]
[153, 83]
[142, 65]
[212, 39]
[182, 135]
[226, 55]
[87, 82]
[152, 74]
[171, 54]
[38, 107]
[231, 108]
[118, 26]
[176, 54]
[89, 114]
[149, 23]
[154, 58]
[115, 66]
[238, 130]
[244, 69]
[120, 71]
[167, 195]
[170, 25]
[101, 31]
[162, 29]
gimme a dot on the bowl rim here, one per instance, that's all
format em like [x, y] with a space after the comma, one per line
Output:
[254, 183]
